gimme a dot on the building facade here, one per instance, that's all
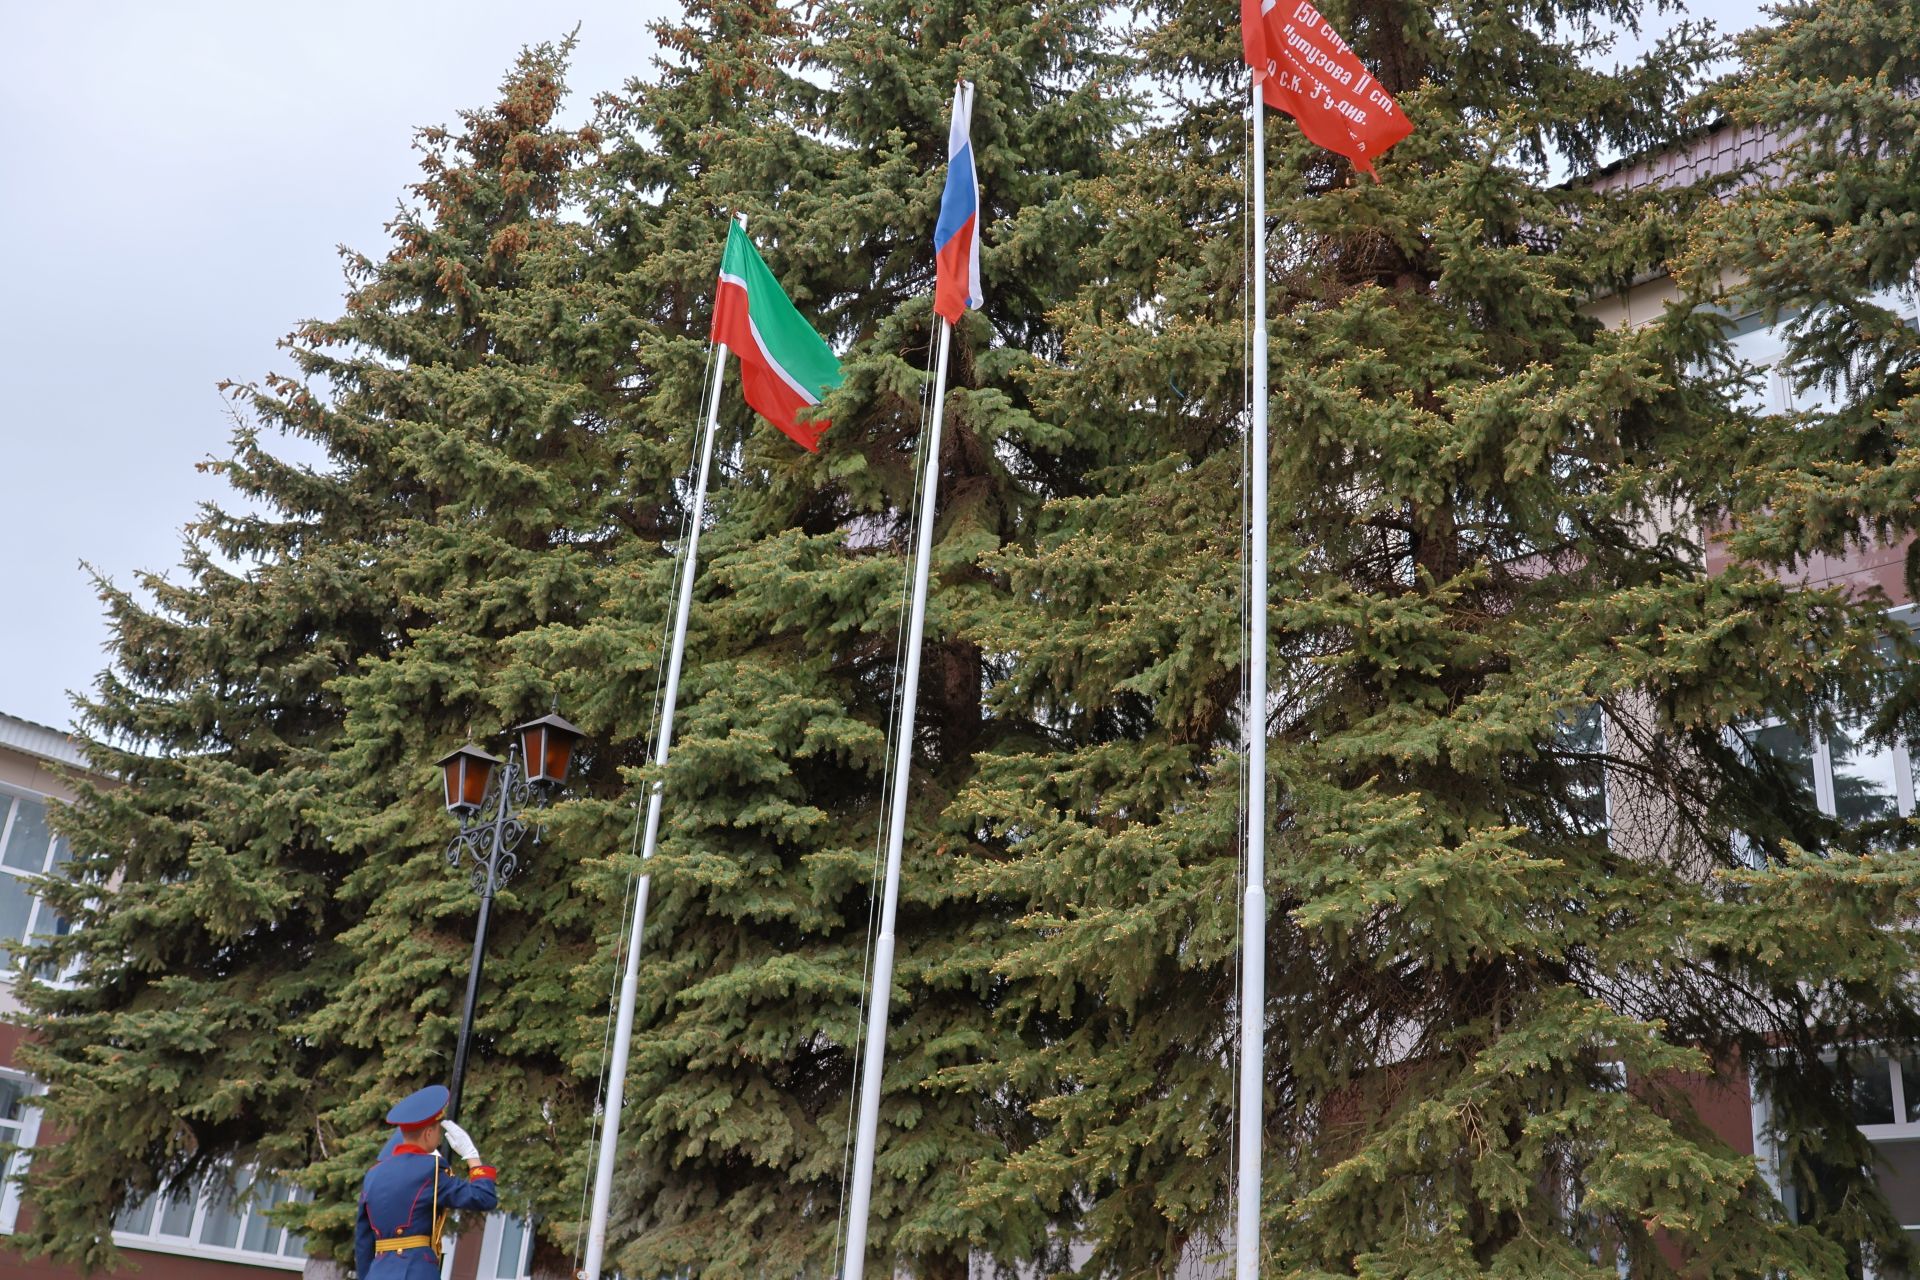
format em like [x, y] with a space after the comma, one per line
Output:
[222, 1232]
[210, 1236]
[1848, 776]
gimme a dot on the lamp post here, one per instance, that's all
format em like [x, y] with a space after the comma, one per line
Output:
[489, 800]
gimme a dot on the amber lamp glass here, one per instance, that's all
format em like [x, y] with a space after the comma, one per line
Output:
[467, 772]
[547, 745]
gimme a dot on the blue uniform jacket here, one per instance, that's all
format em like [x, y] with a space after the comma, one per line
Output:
[398, 1197]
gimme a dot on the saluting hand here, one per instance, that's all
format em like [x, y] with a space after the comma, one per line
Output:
[462, 1144]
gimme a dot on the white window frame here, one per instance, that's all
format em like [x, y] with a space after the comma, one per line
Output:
[491, 1241]
[1823, 792]
[1766, 356]
[1902, 1129]
[1821, 749]
[190, 1245]
[28, 1139]
[9, 814]
[1766, 1140]
[1820, 757]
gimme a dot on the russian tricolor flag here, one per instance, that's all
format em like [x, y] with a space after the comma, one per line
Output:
[956, 237]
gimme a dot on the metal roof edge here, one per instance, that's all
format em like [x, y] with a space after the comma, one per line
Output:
[33, 739]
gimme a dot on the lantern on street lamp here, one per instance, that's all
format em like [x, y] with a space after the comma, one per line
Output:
[546, 748]
[467, 771]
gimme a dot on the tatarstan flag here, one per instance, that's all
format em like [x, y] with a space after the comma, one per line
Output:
[785, 367]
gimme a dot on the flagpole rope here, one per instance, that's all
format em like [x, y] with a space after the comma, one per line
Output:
[886, 795]
[629, 902]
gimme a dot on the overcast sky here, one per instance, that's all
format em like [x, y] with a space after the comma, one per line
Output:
[178, 176]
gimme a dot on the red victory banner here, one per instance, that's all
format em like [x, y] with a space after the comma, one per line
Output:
[1306, 70]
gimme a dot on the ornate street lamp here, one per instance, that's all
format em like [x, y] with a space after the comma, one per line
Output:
[490, 797]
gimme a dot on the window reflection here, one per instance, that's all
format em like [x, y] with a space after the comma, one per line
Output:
[1909, 1064]
[1872, 1089]
[1584, 775]
[263, 1236]
[28, 849]
[176, 1215]
[28, 840]
[513, 1247]
[1864, 778]
[1752, 342]
[16, 910]
[1788, 753]
[220, 1226]
[13, 1095]
[231, 1216]
[136, 1219]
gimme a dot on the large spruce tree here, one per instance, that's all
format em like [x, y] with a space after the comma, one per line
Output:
[268, 942]
[831, 138]
[525, 389]
[1488, 522]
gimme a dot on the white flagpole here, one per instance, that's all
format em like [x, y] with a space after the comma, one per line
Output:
[879, 997]
[1253, 927]
[630, 978]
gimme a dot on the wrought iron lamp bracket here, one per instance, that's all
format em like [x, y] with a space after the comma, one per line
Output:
[489, 839]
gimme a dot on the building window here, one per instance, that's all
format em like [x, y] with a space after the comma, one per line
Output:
[28, 851]
[506, 1249]
[226, 1221]
[1763, 347]
[1843, 774]
[1582, 741]
[19, 1126]
[1886, 1106]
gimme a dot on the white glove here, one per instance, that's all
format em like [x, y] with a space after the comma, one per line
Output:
[462, 1145]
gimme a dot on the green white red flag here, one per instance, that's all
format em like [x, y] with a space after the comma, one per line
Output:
[1305, 69]
[785, 367]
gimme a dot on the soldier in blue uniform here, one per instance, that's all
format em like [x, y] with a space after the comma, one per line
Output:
[405, 1197]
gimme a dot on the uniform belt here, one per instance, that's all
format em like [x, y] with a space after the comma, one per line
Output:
[395, 1244]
